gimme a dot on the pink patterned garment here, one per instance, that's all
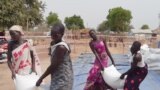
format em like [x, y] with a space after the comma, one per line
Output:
[95, 80]
[22, 61]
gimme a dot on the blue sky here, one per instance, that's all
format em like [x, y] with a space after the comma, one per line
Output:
[94, 12]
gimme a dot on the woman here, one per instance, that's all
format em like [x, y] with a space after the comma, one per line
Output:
[100, 50]
[61, 66]
[138, 71]
[22, 58]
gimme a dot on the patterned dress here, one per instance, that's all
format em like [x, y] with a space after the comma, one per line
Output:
[62, 78]
[135, 78]
[22, 61]
[94, 74]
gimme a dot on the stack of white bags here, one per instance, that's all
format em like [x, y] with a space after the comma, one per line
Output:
[151, 57]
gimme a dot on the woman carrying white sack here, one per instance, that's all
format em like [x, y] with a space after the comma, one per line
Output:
[138, 71]
[22, 57]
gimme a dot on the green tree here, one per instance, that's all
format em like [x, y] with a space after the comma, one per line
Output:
[103, 26]
[23, 12]
[145, 26]
[10, 12]
[33, 11]
[119, 19]
[74, 22]
[52, 19]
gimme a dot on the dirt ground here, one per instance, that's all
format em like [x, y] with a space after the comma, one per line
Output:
[6, 83]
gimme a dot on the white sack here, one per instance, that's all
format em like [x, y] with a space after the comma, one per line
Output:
[28, 82]
[151, 56]
[145, 49]
[112, 77]
[154, 50]
[154, 58]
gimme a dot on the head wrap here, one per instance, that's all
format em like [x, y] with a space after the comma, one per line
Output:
[17, 28]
